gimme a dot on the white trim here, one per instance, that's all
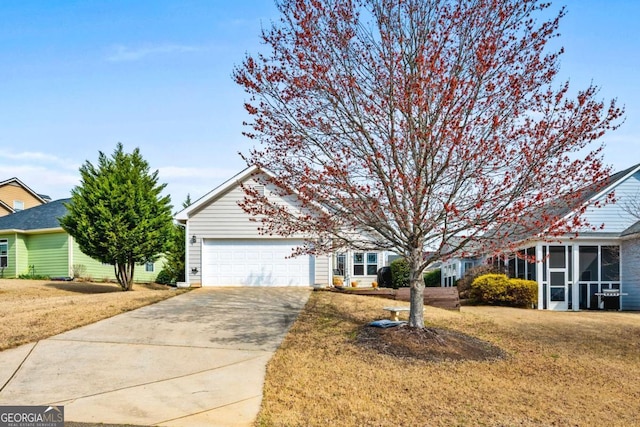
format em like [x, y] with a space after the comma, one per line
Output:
[186, 254]
[15, 245]
[539, 274]
[70, 271]
[34, 231]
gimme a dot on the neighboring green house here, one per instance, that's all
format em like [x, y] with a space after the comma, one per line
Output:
[32, 242]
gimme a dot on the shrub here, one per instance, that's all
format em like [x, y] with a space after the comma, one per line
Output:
[498, 289]
[33, 276]
[432, 278]
[464, 284]
[523, 293]
[164, 277]
[399, 273]
[79, 270]
[490, 289]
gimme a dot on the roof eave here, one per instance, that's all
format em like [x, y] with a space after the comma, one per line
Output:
[34, 231]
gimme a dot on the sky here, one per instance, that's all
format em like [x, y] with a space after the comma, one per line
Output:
[77, 77]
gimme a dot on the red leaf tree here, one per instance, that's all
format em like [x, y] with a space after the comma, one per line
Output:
[419, 126]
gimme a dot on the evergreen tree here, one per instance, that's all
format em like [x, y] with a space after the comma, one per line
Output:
[117, 214]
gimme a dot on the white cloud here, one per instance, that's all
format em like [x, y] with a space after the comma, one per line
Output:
[177, 172]
[123, 53]
[43, 173]
[196, 182]
[53, 182]
[36, 157]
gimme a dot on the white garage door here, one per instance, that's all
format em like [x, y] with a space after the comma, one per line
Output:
[254, 263]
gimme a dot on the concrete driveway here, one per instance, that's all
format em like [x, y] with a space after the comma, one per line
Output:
[195, 359]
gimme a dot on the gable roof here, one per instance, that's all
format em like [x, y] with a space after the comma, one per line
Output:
[609, 183]
[36, 218]
[600, 189]
[634, 229]
[40, 197]
[184, 214]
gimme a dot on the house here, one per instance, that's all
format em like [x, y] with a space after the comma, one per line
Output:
[593, 269]
[33, 243]
[224, 247]
[16, 196]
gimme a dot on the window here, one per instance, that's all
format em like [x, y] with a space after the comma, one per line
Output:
[341, 262]
[18, 205]
[372, 264]
[610, 263]
[588, 263]
[358, 264]
[365, 264]
[4, 253]
[148, 267]
[531, 264]
[556, 257]
[520, 265]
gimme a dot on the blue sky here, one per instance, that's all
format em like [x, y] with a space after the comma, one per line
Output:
[76, 77]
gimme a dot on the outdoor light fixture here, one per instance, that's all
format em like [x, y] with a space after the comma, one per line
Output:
[193, 238]
[194, 270]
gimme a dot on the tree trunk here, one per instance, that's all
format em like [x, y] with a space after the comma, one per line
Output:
[124, 274]
[416, 283]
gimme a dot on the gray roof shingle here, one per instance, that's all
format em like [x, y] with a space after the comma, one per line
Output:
[36, 218]
[634, 229]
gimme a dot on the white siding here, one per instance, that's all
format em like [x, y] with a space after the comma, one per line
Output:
[613, 215]
[630, 280]
[323, 274]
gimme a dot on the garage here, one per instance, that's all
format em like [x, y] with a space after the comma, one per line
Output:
[254, 262]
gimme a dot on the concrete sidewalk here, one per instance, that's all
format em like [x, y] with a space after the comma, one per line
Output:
[195, 359]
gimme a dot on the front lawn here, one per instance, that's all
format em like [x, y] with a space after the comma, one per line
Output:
[560, 369]
[32, 310]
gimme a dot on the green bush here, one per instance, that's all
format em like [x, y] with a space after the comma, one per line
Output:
[498, 289]
[399, 273]
[33, 276]
[432, 278]
[164, 277]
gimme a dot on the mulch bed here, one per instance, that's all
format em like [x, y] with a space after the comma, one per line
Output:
[429, 344]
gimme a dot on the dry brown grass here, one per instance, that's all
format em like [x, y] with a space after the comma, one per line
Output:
[36, 309]
[562, 369]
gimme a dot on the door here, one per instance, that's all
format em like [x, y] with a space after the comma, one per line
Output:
[558, 290]
[258, 262]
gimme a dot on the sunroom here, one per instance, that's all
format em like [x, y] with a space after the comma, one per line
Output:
[572, 275]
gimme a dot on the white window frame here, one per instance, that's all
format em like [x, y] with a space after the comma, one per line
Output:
[365, 263]
[5, 255]
[18, 205]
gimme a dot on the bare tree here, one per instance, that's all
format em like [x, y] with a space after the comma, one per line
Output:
[418, 124]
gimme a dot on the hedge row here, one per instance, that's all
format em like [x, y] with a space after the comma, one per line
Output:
[498, 289]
